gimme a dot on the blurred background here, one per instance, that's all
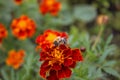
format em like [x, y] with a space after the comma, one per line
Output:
[90, 24]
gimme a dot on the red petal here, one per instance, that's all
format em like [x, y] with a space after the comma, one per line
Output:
[43, 72]
[62, 47]
[43, 56]
[63, 34]
[55, 8]
[39, 39]
[44, 68]
[76, 55]
[67, 52]
[43, 9]
[68, 62]
[22, 34]
[52, 75]
[65, 72]
[73, 64]
[45, 64]
[45, 46]
[56, 66]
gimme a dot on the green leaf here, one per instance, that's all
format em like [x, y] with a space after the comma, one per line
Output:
[5, 76]
[109, 39]
[12, 74]
[107, 52]
[85, 12]
[112, 72]
[109, 63]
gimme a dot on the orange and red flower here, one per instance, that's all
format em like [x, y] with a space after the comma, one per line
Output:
[18, 2]
[58, 61]
[3, 32]
[48, 38]
[23, 27]
[15, 59]
[51, 6]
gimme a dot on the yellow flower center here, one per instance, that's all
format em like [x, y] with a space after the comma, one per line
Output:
[56, 57]
[49, 2]
[56, 54]
[22, 24]
[51, 37]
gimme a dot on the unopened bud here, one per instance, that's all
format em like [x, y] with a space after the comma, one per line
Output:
[102, 19]
[83, 49]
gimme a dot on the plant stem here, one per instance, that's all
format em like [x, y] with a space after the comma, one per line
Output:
[98, 37]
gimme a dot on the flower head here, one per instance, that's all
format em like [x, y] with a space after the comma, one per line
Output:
[3, 32]
[15, 59]
[23, 27]
[18, 2]
[58, 60]
[51, 6]
[48, 37]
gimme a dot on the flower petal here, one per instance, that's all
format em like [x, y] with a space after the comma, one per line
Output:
[67, 52]
[44, 68]
[65, 72]
[43, 56]
[73, 64]
[62, 47]
[56, 66]
[68, 62]
[52, 75]
[76, 55]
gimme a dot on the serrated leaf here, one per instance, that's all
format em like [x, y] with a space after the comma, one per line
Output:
[106, 53]
[109, 39]
[112, 72]
[109, 63]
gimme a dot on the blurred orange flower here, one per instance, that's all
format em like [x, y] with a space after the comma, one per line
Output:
[51, 6]
[48, 38]
[23, 27]
[3, 32]
[58, 61]
[15, 59]
[18, 2]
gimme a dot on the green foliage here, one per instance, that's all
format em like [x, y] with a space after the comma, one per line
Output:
[95, 62]
[85, 12]
[75, 18]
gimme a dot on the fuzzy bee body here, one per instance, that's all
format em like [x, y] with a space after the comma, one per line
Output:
[60, 40]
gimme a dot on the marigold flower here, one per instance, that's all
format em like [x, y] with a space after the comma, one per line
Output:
[51, 6]
[58, 61]
[3, 32]
[15, 59]
[23, 27]
[18, 2]
[48, 38]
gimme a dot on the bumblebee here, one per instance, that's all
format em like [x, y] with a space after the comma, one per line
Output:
[60, 40]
